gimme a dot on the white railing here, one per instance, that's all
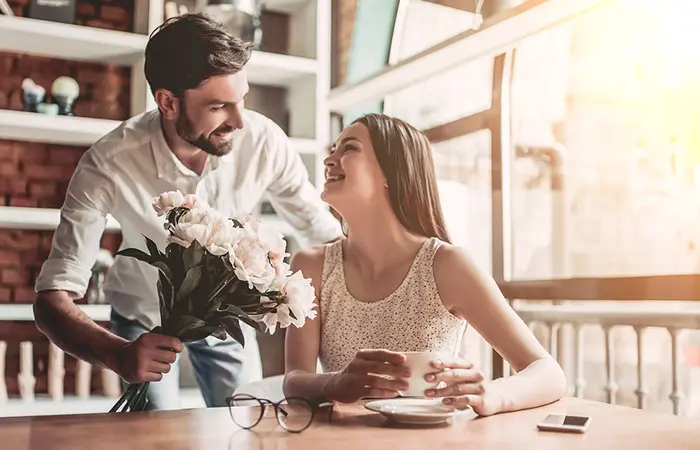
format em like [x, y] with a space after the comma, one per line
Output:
[28, 402]
[570, 305]
[609, 317]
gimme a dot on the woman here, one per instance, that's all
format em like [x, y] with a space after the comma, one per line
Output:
[395, 284]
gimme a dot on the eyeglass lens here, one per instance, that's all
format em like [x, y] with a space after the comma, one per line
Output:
[246, 411]
[294, 414]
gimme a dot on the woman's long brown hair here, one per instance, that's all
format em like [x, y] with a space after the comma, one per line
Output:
[406, 158]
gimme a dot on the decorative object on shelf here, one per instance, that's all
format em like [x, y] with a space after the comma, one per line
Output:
[53, 10]
[65, 91]
[50, 109]
[104, 261]
[240, 17]
[32, 95]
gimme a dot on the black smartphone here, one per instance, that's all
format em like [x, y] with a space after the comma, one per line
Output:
[565, 423]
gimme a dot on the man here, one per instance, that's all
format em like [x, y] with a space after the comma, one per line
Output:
[200, 140]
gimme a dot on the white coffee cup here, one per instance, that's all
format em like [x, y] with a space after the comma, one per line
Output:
[419, 363]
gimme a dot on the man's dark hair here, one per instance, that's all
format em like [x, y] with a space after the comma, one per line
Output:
[186, 50]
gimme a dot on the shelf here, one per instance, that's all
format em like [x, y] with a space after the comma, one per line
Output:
[83, 43]
[21, 218]
[73, 42]
[64, 130]
[272, 69]
[24, 313]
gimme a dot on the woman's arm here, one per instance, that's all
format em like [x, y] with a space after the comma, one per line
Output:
[302, 344]
[474, 295]
[363, 377]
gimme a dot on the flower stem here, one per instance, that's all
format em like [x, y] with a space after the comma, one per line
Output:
[125, 399]
[141, 399]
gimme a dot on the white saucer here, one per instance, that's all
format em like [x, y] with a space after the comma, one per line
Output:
[415, 411]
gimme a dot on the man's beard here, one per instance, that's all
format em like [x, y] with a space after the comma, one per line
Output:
[184, 129]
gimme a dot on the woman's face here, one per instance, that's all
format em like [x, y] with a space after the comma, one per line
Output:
[353, 175]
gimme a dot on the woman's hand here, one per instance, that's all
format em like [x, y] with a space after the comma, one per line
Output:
[366, 376]
[464, 386]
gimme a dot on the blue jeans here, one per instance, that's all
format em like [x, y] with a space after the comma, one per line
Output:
[216, 364]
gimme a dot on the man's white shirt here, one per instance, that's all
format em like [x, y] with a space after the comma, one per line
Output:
[121, 173]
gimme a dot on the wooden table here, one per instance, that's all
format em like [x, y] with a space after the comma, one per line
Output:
[352, 427]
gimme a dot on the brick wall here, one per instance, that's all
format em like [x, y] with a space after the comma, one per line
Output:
[37, 174]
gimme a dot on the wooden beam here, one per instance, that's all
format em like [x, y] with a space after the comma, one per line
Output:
[638, 288]
[463, 126]
[498, 34]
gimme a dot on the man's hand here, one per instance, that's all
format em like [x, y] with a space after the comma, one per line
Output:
[147, 358]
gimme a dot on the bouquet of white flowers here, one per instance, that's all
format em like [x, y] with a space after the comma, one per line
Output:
[216, 272]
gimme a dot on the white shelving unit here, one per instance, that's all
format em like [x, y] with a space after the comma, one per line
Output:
[304, 72]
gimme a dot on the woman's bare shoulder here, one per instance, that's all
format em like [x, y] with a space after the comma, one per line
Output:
[310, 261]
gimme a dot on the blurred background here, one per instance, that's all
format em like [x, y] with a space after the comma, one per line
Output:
[565, 140]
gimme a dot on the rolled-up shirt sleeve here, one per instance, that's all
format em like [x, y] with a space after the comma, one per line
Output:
[293, 196]
[76, 241]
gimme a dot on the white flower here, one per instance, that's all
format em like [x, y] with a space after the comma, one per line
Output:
[281, 317]
[167, 201]
[191, 201]
[250, 261]
[273, 241]
[190, 227]
[175, 199]
[222, 234]
[297, 304]
[212, 230]
[300, 297]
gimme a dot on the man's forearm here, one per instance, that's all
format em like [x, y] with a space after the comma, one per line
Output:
[72, 330]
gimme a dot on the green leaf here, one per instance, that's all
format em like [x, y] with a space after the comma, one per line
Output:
[165, 296]
[193, 255]
[219, 333]
[230, 278]
[231, 311]
[188, 323]
[233, 328]
[198, 333]
[164, 269]
[175, 214]
[136, 253]
[190, 282]
[229, 308]
[153, 249]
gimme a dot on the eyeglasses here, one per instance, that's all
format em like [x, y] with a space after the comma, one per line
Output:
[294, 414]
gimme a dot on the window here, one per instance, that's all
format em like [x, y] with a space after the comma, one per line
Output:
[463, 168]
[623, 102]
